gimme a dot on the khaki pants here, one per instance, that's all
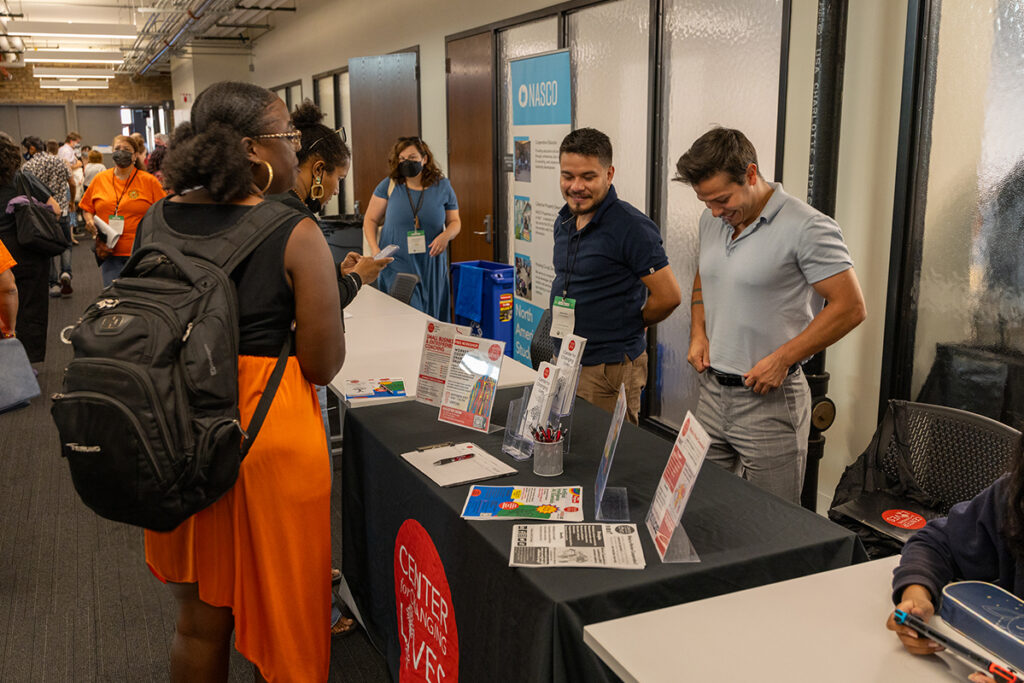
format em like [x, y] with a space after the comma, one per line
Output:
[599, 384]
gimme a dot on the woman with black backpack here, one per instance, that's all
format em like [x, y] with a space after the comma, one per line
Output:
[257, 561]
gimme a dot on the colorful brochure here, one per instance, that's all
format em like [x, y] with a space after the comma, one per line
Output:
[471, 382]
[556, 503]
[375, 388]
[539, 407]
[434, 359]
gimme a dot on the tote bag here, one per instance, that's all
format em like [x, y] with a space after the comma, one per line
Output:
[38, 228]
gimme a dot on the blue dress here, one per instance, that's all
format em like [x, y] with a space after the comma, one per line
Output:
[433, 293]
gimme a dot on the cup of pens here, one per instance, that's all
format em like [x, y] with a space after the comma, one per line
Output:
[547, 452]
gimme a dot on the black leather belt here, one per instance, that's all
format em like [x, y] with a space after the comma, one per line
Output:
[729, 380]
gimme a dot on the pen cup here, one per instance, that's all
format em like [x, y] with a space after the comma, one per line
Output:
[547, 458]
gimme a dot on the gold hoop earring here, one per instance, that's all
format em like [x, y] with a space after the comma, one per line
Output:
[317, 191]
[270, 178]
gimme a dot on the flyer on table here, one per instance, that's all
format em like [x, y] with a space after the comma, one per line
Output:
[375, 388]
[472, 381]
[437, 352]
[677, 481]
[616, 546]
[559, 503]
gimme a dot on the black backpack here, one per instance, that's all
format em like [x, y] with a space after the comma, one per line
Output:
[148, 416]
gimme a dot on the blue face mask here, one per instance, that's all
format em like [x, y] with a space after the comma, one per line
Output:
[27, 156]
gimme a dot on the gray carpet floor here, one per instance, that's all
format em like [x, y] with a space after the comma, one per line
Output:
[77, 602]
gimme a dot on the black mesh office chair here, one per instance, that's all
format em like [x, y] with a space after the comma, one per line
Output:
[922, 459]
[542, 347]
[403, 286]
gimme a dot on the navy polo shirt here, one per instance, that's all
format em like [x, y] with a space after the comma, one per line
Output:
[601, 266]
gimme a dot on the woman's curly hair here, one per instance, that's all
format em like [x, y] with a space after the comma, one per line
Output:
[317, 139]
[10, 158]
[206, 151]
[431, 171]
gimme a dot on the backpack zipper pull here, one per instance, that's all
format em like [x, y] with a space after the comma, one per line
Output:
[188, 331]
[104, 304]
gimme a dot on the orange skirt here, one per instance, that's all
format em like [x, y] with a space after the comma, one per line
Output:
[264, 549]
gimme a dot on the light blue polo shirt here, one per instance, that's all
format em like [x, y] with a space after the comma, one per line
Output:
[757, 288]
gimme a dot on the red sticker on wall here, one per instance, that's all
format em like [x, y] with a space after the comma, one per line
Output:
[426, 616]
[904, 519]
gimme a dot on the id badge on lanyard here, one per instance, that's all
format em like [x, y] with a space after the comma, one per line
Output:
[416, 241]
[116, 224]
[563, 317]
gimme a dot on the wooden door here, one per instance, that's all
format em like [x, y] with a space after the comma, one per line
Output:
[384, 93]
[471, 154]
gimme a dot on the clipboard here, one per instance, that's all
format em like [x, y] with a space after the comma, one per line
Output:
[480, 467]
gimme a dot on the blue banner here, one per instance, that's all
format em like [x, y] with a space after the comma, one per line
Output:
[542, 90]
[527, 319]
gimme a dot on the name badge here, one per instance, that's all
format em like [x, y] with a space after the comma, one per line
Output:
[563, 317]
[116, 224]
[416, 242]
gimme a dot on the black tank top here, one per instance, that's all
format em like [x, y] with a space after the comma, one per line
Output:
[266, 303]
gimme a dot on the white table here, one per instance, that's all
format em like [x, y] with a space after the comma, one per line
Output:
[828, 626]
[383, 338]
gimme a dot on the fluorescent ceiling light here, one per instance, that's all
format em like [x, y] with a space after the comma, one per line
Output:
[68, 72]
[56, 29]
[61, 85]
[69, 57]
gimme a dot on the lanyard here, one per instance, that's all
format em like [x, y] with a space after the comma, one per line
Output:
[577, 237]
[416, 210]
[117, 204]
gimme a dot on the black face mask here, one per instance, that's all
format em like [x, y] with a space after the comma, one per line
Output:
[27, 156]
[410, 169]
[122, 158]
[314, 205]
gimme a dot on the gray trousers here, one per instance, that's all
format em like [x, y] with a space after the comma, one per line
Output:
[761, 438]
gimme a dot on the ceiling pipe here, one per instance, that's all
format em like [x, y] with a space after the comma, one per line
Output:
[168, 44]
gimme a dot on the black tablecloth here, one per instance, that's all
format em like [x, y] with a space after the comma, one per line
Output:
[527, 624]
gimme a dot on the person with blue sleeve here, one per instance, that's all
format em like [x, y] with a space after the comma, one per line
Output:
[419, 212]
[768, 264]
[612, 276]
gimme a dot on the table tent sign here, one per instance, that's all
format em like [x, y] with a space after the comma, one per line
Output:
[471, 383]
[435, 359]
[673, 492]
[541, 103]
[611, 504]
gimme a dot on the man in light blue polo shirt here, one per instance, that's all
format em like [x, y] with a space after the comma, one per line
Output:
[768, 263]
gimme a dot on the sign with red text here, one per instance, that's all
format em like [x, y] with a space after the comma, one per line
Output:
[434, 359]
[428, 636]
[471, 382]
[676, 482]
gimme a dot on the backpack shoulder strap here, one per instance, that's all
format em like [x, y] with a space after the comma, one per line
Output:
[238, 241]
[391, 187]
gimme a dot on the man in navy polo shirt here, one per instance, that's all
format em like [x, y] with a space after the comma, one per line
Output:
[610, 271]
[768, 263]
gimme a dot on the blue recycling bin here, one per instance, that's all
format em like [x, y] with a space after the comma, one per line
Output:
[483, 297]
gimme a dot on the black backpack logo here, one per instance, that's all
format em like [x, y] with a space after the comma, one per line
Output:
[148, 415]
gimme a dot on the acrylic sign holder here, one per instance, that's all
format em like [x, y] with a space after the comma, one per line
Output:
[611, 503]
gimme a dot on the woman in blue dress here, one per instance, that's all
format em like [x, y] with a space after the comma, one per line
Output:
[420, 214]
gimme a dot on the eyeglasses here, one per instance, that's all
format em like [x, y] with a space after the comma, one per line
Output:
[292, 136]
[340, 133]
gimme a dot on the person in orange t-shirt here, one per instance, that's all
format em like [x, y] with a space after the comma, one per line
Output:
[121, 194]
[8, 293]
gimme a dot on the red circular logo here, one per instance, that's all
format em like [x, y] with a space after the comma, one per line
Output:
[904, 519]
[547, 371]
[476, 492]
[494, 351]
[572, 344]
[508, 505]
[430, 327]
[429, 639]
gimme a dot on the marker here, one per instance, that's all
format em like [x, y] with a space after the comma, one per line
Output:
[456, 458]
[961, 652]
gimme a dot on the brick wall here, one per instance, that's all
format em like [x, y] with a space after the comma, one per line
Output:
[24, 89]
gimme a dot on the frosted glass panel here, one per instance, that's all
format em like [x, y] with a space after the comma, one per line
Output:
[722, 67]
[971, 287]
[346, 120]
[520, 41]
[610, 51]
